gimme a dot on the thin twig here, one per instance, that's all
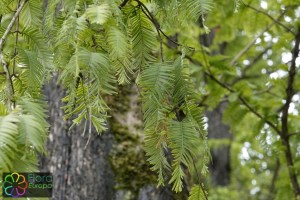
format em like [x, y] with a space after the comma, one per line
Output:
[16, 41]
[244, 50]
[250, 108]
[10, 25]
[9, 83]
[293, 134]
[199, 181]
[274, 178]
[248, 67]
[272, 18]
[158, 33]
[259, 115]
[157, 25]
[231, 90]
[123, 4]
[90, 129]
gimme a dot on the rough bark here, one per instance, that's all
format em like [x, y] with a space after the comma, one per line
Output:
[113, 166]
[133, 175]
[150, 192]
[78, 173]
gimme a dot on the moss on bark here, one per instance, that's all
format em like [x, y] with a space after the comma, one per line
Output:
[128, 158]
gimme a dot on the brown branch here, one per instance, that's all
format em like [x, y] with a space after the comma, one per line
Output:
[284, 118]
[9, 83]
[250, 108]
[16, 41]
[293, 134]
[269, 16]
[157, 25]
[212, 77]
[123, 4]
[242, 99]
[274, 178]
[147, 13]
[248, 67]
[10, 25]
[244, 50]
[275, 128]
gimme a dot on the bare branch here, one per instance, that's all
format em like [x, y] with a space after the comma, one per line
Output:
[269, 16]
[148, 14]
[242, 99]
[10, 25]
[123, 4]
[244, 50]
[16, 42]
[157, 25]
[248, 67]
[293, 134]
[274, 178]
[9, 83]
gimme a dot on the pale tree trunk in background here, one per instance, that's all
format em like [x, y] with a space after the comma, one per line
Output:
[220, 167]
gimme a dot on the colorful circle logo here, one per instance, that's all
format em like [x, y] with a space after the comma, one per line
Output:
[15, 185]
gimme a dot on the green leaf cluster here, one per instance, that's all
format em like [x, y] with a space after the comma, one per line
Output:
[23, 133]
[92, 46]
[173, 122]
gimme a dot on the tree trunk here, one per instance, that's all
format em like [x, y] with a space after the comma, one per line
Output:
[78, 173]
[113, 166]
[220, 167]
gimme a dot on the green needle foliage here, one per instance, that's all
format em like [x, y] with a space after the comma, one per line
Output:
[93, 46]
[23, 132]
